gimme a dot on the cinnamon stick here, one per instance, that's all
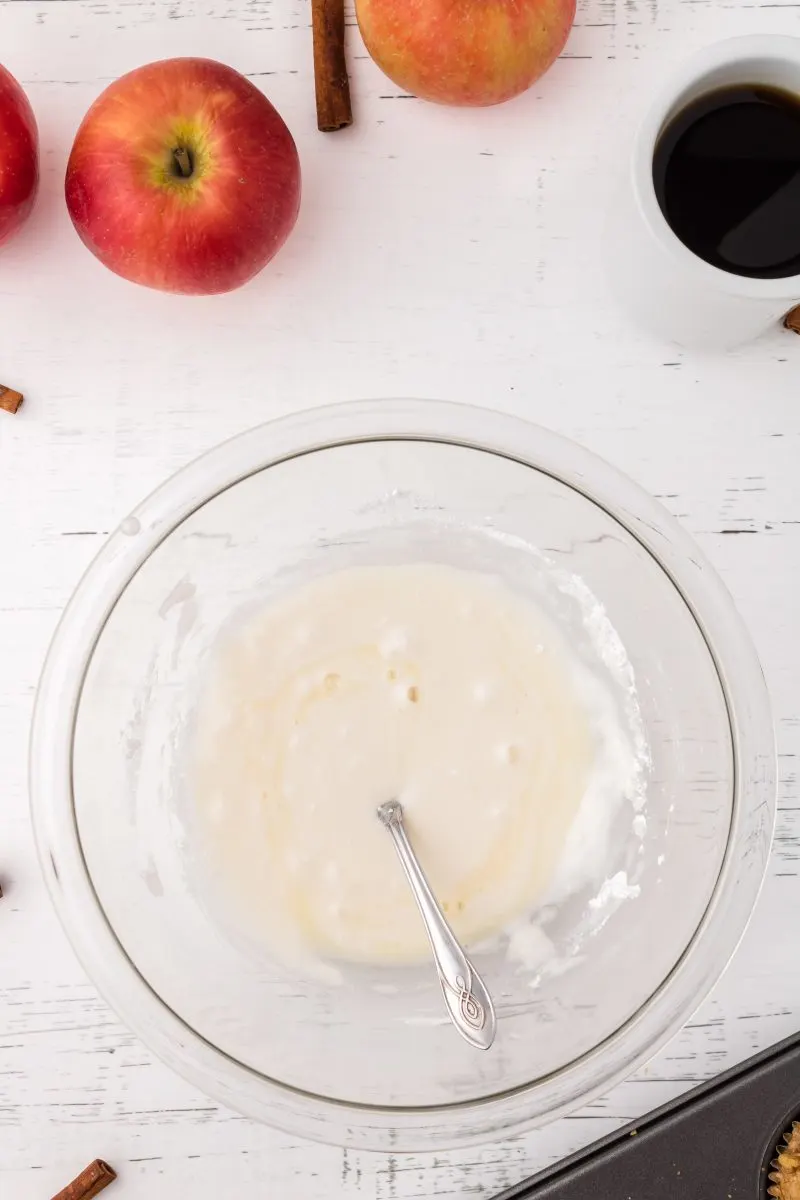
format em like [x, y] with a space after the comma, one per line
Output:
[330, 68]
[792, 320]
[91, 1182]
[9, 399]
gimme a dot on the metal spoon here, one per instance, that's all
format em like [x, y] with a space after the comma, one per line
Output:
[468, 1001]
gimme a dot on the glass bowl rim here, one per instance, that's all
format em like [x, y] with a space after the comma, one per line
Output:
[104, 958]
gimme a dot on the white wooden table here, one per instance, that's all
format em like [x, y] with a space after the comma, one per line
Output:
[439, 253]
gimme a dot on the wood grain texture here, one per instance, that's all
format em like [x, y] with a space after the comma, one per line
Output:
[462, 248]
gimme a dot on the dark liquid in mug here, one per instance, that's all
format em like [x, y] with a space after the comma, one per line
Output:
[726, 172]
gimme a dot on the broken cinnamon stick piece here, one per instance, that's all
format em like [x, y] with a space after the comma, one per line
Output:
[9, 399]
[792, 320]
[330, 67]
[91, 1182]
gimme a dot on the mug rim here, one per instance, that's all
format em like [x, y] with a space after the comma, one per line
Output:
[783, 48]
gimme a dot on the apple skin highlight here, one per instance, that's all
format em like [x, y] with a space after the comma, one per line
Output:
[19, 157]
[183, 177]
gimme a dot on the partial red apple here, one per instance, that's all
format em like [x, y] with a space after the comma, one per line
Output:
[465, 52]
[19, 156]
[183, 177]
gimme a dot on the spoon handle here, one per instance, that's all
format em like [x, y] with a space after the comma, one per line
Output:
[468, 1001]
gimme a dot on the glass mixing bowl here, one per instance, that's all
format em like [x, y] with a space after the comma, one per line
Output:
[370, 1061]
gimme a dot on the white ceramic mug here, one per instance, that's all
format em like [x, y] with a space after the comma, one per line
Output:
[664, 285]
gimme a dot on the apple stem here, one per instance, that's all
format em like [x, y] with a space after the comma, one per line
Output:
[182, 159]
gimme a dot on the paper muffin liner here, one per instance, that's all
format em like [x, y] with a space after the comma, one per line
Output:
[785, 1174]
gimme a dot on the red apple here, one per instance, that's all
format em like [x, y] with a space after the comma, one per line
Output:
[19, 156]
[183, 177]
[466, 52]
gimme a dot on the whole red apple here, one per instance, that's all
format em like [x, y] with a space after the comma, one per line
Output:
[183, 177]
[19, 156]
[465, 52]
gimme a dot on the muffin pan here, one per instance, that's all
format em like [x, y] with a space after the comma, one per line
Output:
[718, 1142]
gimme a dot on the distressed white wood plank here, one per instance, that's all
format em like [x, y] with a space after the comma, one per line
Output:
[438, 253]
